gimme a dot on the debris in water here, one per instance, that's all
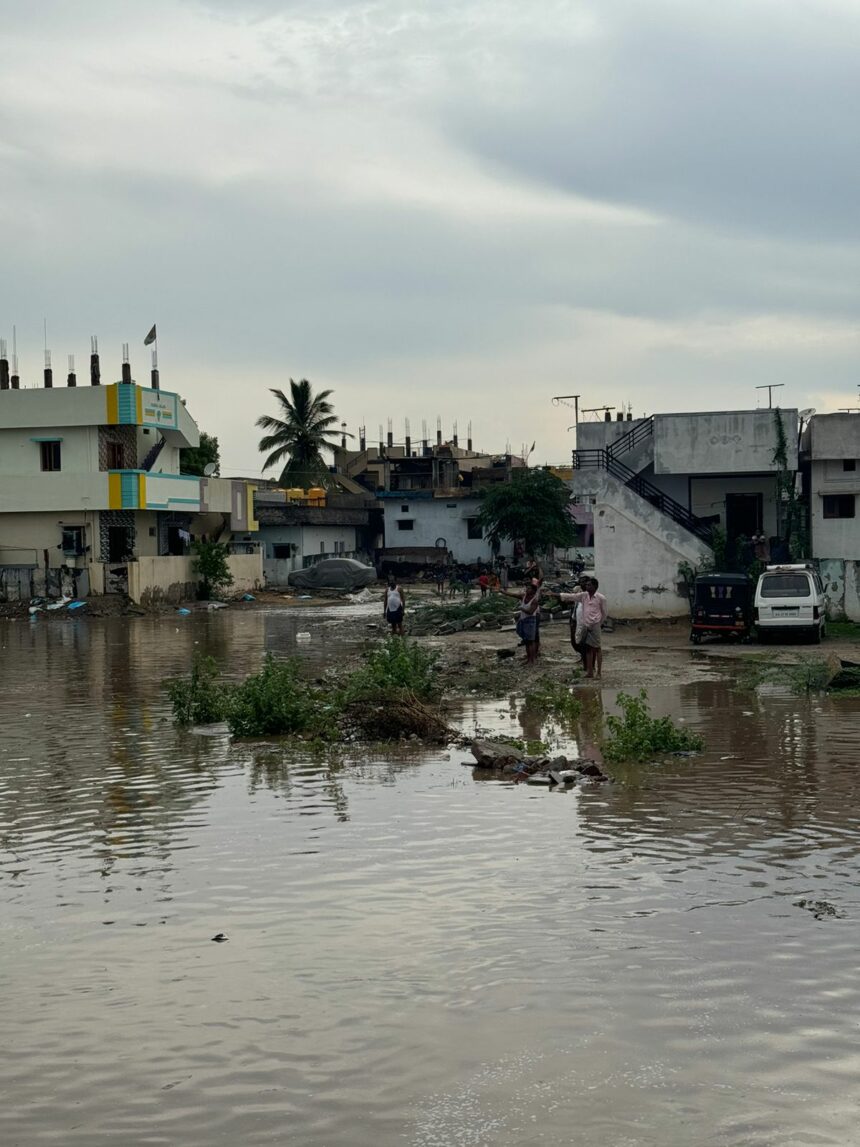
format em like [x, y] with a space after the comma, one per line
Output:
[220, 937]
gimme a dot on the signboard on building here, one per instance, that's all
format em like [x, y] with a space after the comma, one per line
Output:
[158, 408]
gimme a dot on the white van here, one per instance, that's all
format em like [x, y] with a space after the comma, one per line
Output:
[790, 599]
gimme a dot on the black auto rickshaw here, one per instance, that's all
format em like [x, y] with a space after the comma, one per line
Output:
[722, 605]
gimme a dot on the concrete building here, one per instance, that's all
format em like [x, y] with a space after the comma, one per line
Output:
[429, 495]
[296, 532]
[657, 486]
[90, 483]
[831, 458]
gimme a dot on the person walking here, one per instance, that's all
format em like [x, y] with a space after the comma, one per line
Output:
[441, 578]
[503, 574]
[484, 583]
[594, 613]
[394, 605]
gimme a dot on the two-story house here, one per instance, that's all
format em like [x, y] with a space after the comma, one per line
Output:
[90, 481]
[657, 487]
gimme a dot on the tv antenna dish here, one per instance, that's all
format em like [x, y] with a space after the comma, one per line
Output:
[209, 469]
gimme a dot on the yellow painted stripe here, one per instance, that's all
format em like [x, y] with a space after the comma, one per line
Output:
[112, 399]
[141, 491]
[114, 491]
[138, 394]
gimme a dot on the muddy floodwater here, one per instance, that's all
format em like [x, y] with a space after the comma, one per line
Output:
[414, 956]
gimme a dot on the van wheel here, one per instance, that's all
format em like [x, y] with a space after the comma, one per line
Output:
[696, 638]
[763, 637]
[816, 637]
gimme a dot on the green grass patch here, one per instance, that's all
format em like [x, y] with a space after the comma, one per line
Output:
[637, 736]
[395, 666]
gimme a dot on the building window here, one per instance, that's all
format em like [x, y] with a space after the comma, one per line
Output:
[50, 455]
[282, 550]
[115, 456]
[404, 509]
[406, 524]
[849, 465]
[73, 540]
[839, 505]
[473, 530]
[322, 547]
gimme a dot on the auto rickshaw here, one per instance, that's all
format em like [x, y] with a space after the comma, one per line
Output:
[722, 605]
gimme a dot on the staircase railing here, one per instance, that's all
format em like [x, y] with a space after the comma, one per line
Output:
[603, 460]
[152, 455]
[632, 438]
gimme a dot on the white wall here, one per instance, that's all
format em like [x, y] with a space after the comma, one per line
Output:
[637, 550]
[54, 492]
[437, 518]
[835, 436]
[19, 455]
[308, 539]
[721, 442]
[833, 537]
[153, 580]
[709, 496]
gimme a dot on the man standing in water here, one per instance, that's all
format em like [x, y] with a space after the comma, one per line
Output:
[594, 614]
[576, 624]
[394, 605]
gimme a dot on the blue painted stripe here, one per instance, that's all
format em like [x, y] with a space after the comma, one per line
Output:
[127, 403]
[129, 489]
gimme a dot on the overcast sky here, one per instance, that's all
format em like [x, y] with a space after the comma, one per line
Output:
[449, 208]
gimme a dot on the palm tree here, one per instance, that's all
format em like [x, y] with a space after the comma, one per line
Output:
[299, 437]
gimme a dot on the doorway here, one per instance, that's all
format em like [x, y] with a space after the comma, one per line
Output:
[119, 543]
[743, 515]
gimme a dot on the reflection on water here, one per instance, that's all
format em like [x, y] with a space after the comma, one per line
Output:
[412, 957]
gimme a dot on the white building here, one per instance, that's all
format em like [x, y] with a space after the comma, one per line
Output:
[657, 486]
[420, 520]
[90, 483]
[832, 453]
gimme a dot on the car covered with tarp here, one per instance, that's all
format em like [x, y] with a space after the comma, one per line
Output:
[333, 573]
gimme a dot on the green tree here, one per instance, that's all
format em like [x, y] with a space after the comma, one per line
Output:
[195, 459]
[531, 508]
[211, 568]
[298, 437]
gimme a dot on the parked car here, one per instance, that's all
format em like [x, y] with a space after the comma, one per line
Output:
[333, 573]
[721, 606]
[790, 599]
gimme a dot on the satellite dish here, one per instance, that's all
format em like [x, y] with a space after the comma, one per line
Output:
[807, 413]
[209, 469]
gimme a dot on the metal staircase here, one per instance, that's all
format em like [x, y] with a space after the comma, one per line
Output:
[152, 454]
[607, 460]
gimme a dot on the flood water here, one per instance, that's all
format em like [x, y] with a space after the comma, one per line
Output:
[415, 956]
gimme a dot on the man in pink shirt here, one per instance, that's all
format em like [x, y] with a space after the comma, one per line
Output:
[588, 629]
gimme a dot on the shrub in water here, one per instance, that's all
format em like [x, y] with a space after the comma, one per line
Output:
[200, 698]
[395, 666]
[553, 698]
[637, 736]
[276, 701]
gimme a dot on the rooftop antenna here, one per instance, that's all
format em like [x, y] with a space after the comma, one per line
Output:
[566, 399]
[770, 387]
[597, 410]
[72, 380]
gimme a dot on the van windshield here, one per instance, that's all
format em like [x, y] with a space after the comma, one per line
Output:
[786, 585]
